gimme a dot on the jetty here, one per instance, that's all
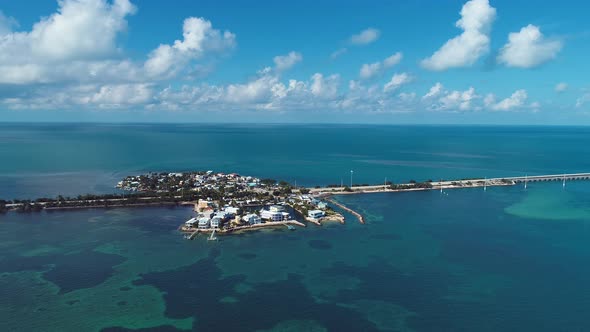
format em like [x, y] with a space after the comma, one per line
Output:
[346, 208]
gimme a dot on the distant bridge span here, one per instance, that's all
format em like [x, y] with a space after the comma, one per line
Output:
[553, 177]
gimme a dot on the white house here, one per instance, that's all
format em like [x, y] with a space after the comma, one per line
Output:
[223, 215]
[271, 215]
[191, 222]
[216, 222]
[232, 210]
[204, 223]
[277, 208]
[252, 219]
[315, 214]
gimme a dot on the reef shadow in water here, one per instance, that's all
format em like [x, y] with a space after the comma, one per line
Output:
[197, 290]
[84, 269]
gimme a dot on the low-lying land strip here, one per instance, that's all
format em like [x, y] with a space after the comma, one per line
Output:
[225, 194]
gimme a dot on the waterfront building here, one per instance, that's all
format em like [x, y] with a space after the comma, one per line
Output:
[271, 215]
[205, 204]
[316, 214]
[232, 210]
[252, 219]
[204, 223]
[191, 222]
[207, 214]
[223, 215]
[322, 205]
[216, 222]
[277, 208]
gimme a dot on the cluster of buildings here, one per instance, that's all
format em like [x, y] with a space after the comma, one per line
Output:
[210, 216]
[176, 182]
[232, 198]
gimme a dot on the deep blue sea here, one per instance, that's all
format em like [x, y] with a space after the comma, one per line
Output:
[507, 259]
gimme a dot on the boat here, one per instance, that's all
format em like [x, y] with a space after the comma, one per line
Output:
[212, 237]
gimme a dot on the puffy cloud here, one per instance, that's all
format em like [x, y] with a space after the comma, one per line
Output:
[582, 100]
[255, 91]
[528, 48]
[407, 96]
[78, 44]
[325, 87]
[122, 94]
[6, 24]
[397, 80]
[561, 87]
[458, 100]
[369, 70]
[476, 20]
[393, 60]
[199, 37]
[434, 91]
[338, 53]
[365, 37]
[516, 100]
[284, 62]
[88, 96]
[489, 100]
[81, 29]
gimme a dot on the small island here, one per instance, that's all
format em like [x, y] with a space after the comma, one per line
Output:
[230, 202]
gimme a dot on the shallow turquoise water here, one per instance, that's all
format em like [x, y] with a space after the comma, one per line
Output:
[466, 260]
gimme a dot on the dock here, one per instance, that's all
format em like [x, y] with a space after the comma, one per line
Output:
[192, 233]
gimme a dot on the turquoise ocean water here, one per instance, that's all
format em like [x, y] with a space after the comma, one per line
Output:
[466, 260]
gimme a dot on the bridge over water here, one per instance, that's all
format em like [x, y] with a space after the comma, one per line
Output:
[553, 177]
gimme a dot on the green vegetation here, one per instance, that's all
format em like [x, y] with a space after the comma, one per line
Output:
[412, 185]
[268, 182]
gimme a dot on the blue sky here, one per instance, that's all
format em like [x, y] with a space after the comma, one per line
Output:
[478, 61]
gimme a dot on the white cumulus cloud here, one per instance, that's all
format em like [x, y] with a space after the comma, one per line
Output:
[397, 80]
[458, 100]
[583, 99]
[365, 37]
[325, 87]
[516, 100]
[370, 70]
[78, 43]
[528, 48]
[464, 50]
[6, 24]
[435, 91]
[199, 37]
[284, 62]
[561, 87]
